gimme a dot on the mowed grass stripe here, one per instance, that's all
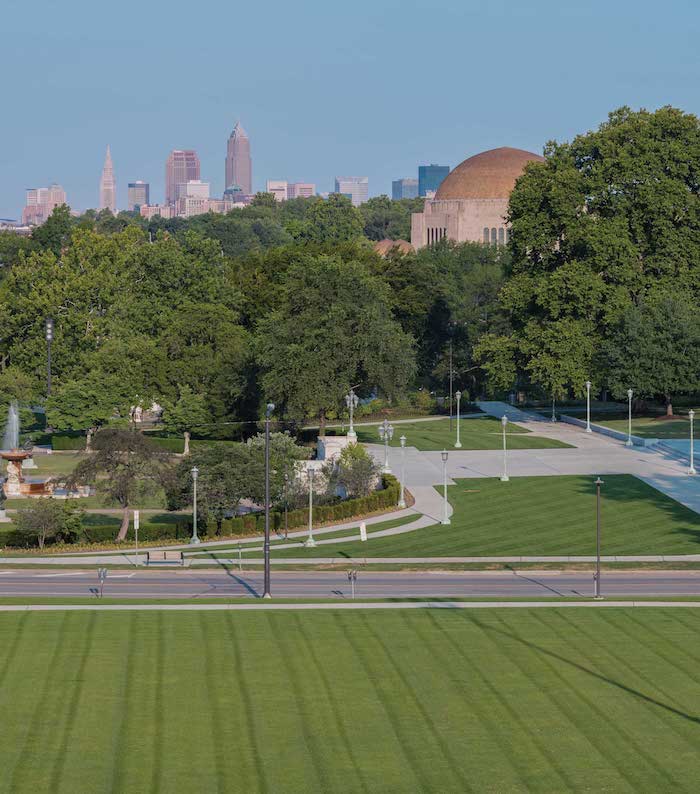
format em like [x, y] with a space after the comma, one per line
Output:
[607, 659]
[253, 775]
[497, 715]
[619, 747]
[334, 706]
[391, 717]
[209, 673]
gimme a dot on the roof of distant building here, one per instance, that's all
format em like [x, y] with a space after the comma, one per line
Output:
[489, 175]
[384, 246]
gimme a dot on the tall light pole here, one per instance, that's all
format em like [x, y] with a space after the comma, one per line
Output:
[445, 517]
[588, 407]
[402, 498]
[386, 433]
[49, 339]
[628, 443]
[554, 413]
[504, 424]
[194, 540]
[597, 594]
[458, 443]
[451, 379]
[269, 408]
[691, 469]
[351, 400]
[286, 505]
[310, 542]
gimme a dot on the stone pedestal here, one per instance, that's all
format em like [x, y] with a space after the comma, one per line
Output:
[29, 463]
[3, 517]
[14, 478]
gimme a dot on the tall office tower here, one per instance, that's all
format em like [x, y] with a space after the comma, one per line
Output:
[139, 195]
[430, 177]
[239, 166]
[182, 166]
[354, 187]
[108, 187]
[300, 190]
[41, 202]
[404, 189]
[278, 188]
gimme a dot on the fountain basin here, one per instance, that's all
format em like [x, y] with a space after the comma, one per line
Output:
[14, 458]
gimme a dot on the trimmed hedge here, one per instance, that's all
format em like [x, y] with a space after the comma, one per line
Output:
[250, 524]
[63, 442]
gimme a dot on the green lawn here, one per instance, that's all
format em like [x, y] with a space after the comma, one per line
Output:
[52, 465]
[482, 433]
[540, 516]
[436, 701]
[649, 427]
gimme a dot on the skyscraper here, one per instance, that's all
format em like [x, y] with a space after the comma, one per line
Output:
[182, 166]
[239, 166]
[139, 195]
[41, 202]
[108, 187]
[354, 187]
[430, 177]
[404, 189]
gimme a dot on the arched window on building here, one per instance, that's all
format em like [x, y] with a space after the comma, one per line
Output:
[501, 236]
[493, 236]
[486, 234]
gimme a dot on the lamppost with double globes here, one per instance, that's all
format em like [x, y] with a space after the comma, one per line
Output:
[445, 517]
[596, 593]
[351, 401]
[386, 433]
[49, 340]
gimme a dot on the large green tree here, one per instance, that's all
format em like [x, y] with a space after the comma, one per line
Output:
[332, 329]
[606, 219]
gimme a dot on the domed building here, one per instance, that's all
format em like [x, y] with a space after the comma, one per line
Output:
[471, 203]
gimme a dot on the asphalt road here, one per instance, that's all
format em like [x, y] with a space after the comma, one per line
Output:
[330, 584]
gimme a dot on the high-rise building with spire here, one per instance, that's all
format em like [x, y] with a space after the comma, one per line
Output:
[239, 166]
[181, 167]
[108, 186]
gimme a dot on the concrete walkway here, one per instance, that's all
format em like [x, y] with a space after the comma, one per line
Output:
[271, 605]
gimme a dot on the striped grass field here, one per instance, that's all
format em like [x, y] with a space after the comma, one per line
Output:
[540, 516]
[475, 433]
[546, 700]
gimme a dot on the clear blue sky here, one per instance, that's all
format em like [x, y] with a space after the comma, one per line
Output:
[323, 87]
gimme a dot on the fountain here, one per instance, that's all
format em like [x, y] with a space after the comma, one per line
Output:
[12, 454]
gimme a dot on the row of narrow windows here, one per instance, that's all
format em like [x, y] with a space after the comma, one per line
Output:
[436, 234]
[495, 236]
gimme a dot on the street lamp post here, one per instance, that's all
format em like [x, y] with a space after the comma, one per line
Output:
[194, 540]
[504, 424]
[286, 505]
[269, 408]
[49, 339]
[386, 433]
[352, 400]
[445, 517]
[588, 407]
[691, 469]
[458, 443]
[597, 594]
[310, 542]
[402, 498]
[451, 380]
[554, 413]
[628, 443]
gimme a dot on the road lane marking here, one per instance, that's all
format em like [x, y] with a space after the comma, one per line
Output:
[48, 575]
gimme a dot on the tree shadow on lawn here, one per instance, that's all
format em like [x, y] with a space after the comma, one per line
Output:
[581, 668]
[626, 488]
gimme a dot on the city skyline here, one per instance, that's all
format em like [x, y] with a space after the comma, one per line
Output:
[310, 135]
[108, 185]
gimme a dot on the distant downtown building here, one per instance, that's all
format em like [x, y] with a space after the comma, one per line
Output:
[182, 166]
[404, 189]
[355, 188]
[278, 188]
[300, 190]
[41, 202]
[139, 195]
[430, 177]
[239, 166]
[108, 186]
